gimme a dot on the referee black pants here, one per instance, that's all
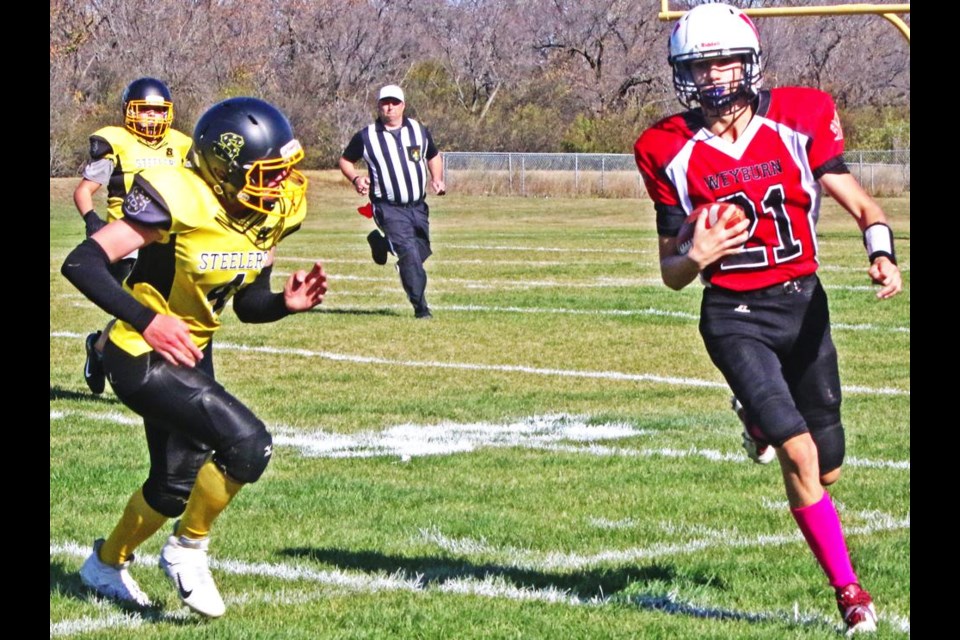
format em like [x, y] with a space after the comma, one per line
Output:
[407, 228]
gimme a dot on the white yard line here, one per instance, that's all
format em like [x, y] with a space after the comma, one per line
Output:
[486, 283]
[505, 368]
[535, 249]
[80, 301]
[87, 624]
[560, 561]
[552, 432]
[489, 587]
[568, 373]
[301, 260]
[584, 312]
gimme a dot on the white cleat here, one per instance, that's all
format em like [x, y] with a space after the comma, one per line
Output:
[761, 453]
[185, 563]
[856, 607]
[111, 581]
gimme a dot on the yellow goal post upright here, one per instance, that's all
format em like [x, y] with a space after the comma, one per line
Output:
[888, 11]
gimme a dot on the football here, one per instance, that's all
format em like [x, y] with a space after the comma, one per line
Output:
[714, 211]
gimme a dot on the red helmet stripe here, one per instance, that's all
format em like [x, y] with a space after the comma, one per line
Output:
[749, 22]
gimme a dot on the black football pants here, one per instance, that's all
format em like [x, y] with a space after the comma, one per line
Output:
[774, 348]
[187, 416]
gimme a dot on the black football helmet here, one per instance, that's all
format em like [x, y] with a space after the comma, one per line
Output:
[245, 150]
[147, 109]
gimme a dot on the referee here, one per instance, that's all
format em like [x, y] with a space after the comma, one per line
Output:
[399, 152]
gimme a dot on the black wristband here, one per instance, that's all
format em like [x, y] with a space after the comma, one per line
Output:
[269, 307]
[354, 181]
[256, 303]
[93, 222]
[277, 308]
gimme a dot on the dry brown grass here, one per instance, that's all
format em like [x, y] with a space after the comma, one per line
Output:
[567, 184]
[882, 180]
[878, 180]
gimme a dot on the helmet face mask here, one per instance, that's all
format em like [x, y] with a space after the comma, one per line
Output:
[245, 150]
[147, 109]
[714, 97]
[712, 31]
[274, 182]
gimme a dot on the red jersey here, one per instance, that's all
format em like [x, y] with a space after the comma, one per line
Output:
[771, 171]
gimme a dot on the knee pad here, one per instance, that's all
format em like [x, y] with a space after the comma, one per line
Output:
[824, 414]
[831, 446]
[166, 500]
[777, 418]
[246, 460]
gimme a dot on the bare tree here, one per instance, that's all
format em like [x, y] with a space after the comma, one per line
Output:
[539, 75]
[480, 45]
[196, 47]
[604, 45]
[860, 59]
[332, 56]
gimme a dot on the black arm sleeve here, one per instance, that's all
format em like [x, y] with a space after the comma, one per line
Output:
[669, 219]
[93, 222]
[833, 165]
[87, 268]
[256, 303]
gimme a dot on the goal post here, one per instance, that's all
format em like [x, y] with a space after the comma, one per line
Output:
[888, 11]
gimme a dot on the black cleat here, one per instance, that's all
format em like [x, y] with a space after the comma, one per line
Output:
[93, 367]
[378, 246]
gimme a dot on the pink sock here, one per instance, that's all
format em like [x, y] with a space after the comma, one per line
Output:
[820, 525]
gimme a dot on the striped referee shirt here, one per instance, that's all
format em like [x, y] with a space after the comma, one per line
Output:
[397, 160]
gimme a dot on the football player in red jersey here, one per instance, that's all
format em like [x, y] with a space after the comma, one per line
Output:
[764, 317]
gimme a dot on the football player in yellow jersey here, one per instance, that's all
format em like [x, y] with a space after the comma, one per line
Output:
[206, 233]
[116, 155]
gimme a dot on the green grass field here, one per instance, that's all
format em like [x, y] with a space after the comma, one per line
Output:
[553, 456]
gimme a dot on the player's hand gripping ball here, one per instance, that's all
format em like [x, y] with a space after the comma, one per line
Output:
[714, 211]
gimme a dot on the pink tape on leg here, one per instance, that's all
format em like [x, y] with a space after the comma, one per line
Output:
[820, 525]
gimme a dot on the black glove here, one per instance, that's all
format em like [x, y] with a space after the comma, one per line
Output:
[93, 221]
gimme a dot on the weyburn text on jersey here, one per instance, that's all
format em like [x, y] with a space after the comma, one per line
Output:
[744, 174]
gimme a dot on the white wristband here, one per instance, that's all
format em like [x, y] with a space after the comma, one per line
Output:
[878, 239]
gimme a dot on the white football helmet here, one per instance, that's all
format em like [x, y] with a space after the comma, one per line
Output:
[714, 30]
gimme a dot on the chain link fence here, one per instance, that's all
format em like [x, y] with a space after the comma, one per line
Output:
[614, 175]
